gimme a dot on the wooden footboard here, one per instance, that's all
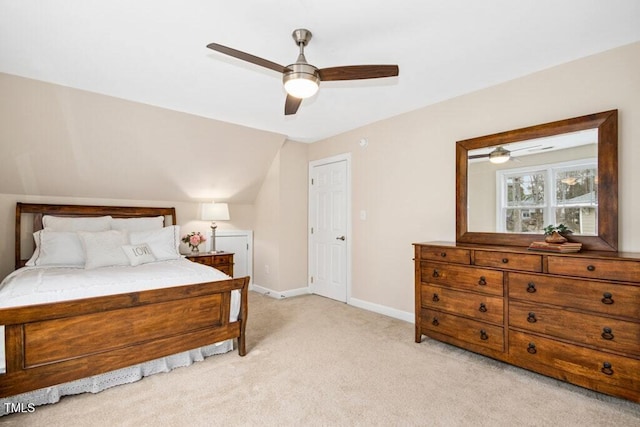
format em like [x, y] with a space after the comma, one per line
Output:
[49, 344]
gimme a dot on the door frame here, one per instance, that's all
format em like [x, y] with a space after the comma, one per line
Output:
[320, 162]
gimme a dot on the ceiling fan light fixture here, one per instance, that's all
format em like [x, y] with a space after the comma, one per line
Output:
[499, 155]
[302, 82]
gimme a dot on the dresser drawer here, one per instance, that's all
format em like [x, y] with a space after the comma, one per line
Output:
[508, 260]
[608, 269]
[479, 306]
[596, 331]
[221, 259]
[436, 253]
[460, 277]
[463, 329]
[601, 297]
[212, 260]
[579, 365]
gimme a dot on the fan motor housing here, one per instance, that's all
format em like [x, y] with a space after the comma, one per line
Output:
[301, 71]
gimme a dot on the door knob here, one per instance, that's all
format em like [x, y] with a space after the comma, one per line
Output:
[341, 238]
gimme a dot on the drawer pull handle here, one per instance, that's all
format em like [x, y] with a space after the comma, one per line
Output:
[435, 298]
[482, 308]
[607, 298]
[606, 368]
[443, 254]
[607, 334]
[531, 318]
[591, 267]
[531, 287]
[483, 335]
[482, 281]
[435, 321]
[505, 260]
[531, 349]
[435, 273]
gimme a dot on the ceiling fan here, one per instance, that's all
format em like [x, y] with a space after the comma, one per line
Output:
[301, 79]
[500, 154]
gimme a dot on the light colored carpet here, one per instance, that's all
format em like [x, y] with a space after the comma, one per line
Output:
[316, 362]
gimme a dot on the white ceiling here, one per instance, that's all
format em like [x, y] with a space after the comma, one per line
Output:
[154, 51]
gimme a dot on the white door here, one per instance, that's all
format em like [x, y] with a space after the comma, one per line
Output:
[239, 242]
[329, 225]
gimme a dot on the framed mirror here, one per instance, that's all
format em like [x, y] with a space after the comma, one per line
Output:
[511, 185]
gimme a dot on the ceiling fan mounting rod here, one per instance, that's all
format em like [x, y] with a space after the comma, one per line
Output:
[301, 37]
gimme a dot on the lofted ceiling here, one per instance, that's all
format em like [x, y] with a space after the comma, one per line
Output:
[154, 51]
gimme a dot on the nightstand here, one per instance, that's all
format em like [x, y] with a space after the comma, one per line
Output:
[223, 261]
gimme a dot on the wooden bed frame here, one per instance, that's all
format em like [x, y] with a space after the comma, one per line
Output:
[53, 343]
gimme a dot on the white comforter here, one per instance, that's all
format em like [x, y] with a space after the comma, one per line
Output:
[37, 285]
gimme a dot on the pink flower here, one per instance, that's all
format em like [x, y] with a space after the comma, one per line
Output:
[194, 240]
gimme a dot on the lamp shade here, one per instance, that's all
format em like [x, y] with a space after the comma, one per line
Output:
[215, 212]
[302, 87]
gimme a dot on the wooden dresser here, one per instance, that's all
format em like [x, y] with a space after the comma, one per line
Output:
[222, 261]
[574, 317]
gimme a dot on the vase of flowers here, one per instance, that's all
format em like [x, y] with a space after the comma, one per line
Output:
[194, 239]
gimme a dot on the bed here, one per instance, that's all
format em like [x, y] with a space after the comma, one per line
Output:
[55, 341]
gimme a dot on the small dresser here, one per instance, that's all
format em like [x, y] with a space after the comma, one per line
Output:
[222, 261]
[574, 317]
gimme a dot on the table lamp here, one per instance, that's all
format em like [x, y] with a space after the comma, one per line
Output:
[214, 212]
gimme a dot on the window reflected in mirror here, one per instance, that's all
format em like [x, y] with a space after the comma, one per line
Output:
[544, 181]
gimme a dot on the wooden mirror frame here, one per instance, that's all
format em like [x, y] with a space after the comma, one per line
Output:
[607, 125]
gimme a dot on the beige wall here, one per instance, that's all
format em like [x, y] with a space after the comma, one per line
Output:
[57, 141]
[266, 230]
[280, 238]
[405, 177]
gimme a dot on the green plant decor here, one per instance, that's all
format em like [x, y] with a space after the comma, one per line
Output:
[560, 228]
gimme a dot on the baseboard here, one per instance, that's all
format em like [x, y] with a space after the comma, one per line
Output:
[376, 308]
[383, 309]
[279, 294]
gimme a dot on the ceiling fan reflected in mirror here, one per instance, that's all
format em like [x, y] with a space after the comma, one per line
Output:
[301, 79]
[500, 154]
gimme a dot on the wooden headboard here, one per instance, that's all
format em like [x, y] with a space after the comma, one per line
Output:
[39, 210]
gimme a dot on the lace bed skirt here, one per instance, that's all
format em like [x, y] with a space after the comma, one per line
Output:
[97, 383]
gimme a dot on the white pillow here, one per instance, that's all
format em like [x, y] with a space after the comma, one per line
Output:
[138, 254]
[164, 243]
[62, 223]
[59, 248]
[104, 248]
[138, 224]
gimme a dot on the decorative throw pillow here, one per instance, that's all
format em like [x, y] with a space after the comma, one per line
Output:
[104, 248]
[138, 254]
[138, 224]
[67, 223]
[57, 248]
[163, 243]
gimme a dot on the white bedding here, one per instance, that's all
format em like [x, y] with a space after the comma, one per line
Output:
[36, 285]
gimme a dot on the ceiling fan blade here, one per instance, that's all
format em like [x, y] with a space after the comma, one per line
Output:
[248, 57]
[478, 156]
[527, 148]
[291, 105]
[357, 72]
